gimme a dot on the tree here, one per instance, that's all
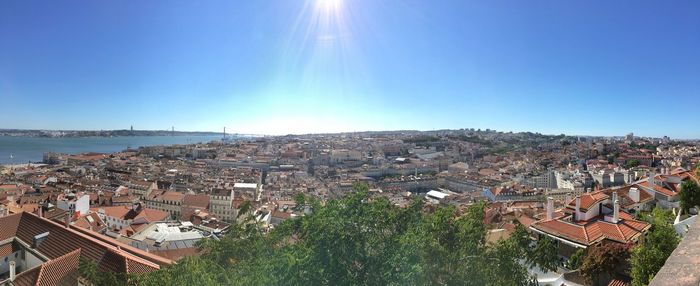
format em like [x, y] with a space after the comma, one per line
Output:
[603, 261]
[632, 163]
[544, 254]
[300, 201]
[576, 259]
[89, 271]
[690, 195]
[650, 255]
[356, 240]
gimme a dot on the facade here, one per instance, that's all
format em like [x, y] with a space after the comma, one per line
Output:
[120, 218]
[74, 204]
[167, 201]
[141, 189]
[221, 204]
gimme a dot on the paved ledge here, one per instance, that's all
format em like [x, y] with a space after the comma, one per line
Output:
[683, 266]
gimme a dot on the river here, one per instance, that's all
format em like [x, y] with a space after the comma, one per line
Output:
[19, 150]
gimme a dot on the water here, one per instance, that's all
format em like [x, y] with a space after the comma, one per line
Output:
[25, 149]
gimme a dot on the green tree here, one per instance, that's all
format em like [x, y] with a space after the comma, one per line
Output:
[690, 195]
[650, 255]
[576, 259]
[89, 271]
[357, 240]
[632, 163]
[299, 201]
[544, 255]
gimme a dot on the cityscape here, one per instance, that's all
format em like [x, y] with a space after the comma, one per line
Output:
[349, 142]
[153, 206]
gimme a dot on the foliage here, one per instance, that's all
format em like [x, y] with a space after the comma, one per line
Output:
[188, 271]
[91, 272]
[690, 195]
[357, 240]
[473, 139]
[576, 259]
[421, 139]
[603, 261]
[544, 254]
[632, 163]
[650, 255]
[300, 201]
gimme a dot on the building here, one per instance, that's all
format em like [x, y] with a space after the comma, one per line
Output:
[74, 204]
[128, 220]
[587, 220]
[249, 190]
[221, 204]
[666, 188]
[38, 251]
[141, 189]
[167, 201]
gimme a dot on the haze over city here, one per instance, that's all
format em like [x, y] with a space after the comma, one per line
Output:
[280, 67]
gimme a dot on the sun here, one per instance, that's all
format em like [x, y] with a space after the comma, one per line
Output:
[329, 5]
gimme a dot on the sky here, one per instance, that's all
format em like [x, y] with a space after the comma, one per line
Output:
[310, 66]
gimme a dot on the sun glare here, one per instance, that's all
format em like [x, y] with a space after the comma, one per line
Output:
[329, 5]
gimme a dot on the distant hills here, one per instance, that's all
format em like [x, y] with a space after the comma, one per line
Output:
[102, 133]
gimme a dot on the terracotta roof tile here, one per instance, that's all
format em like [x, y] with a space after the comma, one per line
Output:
[60, 271]
[589, 232]
[6, 249]
[9, 226]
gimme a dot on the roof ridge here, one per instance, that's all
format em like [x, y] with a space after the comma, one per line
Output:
[617, 226]
[38, 276]
[53, 261]
[105, 244]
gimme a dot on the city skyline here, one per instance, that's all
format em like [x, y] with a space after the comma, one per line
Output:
[323, 66]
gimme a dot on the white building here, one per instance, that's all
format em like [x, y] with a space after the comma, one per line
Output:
[73, 203]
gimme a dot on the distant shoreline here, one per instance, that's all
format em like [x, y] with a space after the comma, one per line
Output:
[101, 133]
[23, 149]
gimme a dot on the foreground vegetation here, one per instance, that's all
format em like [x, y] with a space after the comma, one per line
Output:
[358, 241]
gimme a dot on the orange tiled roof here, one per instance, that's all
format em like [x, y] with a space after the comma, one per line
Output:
[588, 200]
[592, 231]
[658, 189]
[65, 246]
[623, 193]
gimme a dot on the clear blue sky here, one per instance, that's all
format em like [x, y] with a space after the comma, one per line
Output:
[296, 66]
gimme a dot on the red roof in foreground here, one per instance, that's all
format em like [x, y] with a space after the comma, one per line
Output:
[65, 246]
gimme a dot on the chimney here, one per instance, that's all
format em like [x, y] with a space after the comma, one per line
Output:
[40, 211]
[550, 208]
[634, 194]
[39, 238]
[578, 207]
[12, 270]
[616, 212]
[651, 179]
[567, 199]
[614, 197]
[67, 221]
